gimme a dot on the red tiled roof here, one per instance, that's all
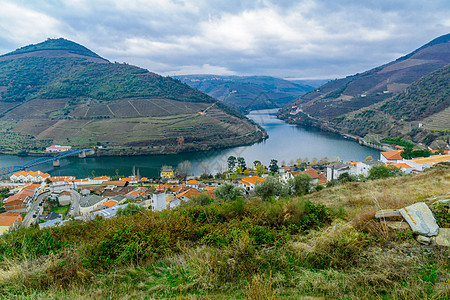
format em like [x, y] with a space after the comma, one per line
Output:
[394, 154]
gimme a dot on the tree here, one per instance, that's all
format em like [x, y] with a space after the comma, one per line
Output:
[48, 181]
[241, 163]
[231, 162]
[369, 158]
[201, 199]
[261, 169]
[270, 187]
[184, 168]
[129, 210]
[273, 166]
[382, 171]
[228, 192]
[301, 184]
[256, 163]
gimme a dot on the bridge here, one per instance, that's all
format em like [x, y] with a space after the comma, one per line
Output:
[7, 171]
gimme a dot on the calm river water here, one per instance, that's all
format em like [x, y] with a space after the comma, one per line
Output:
[285, 143]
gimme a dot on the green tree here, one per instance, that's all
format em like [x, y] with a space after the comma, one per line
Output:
[241, 163]
[231, 162]
[273, 166]
[269, 188]
[261, 169]
[228, 192]
[201, 199]
[129, 210]
[301, 184]
[256, 163]
[382, 171]
[48, 181]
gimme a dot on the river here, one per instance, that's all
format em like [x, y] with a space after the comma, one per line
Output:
[286, 143]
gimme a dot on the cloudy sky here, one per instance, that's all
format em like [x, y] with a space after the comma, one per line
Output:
[284, 38]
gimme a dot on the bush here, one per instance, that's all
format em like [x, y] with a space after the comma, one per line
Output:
[382, 171]
[269, 188]
[301, 184]
[228, 192]
[129, 210]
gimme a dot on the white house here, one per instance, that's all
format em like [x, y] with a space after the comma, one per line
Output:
[334, 170]
[58, 148]
[390, 156]
[249, 183]
[159, 202]
[30, 176]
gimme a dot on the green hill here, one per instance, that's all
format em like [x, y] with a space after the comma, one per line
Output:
[61, 92]
[412, 88]
[247, 93]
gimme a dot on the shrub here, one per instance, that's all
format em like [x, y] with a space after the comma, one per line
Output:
[228, 192]
[301, 184]
[382, 171]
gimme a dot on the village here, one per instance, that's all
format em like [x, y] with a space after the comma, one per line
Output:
[35, 198]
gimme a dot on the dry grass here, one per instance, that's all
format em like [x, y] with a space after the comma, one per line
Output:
[361, 197]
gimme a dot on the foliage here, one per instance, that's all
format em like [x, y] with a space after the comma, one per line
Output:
[231, 162]
[382, 171]
[442, 215]
[301, 184]
[129, 210]
[201, 199]
[273, 166]
[398, 141]
[241, 163]
[228, 192]
[269, 188]
[409, 153]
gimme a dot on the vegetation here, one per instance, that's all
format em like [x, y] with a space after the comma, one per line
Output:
[228, 192]
[382, 171]
[327, 246]
[398, 141]
[40, 90]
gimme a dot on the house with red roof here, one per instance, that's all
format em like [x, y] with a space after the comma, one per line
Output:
[249, 183]
[9, 220]
[391, 156]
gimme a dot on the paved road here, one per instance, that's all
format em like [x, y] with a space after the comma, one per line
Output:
[34, 206]
[75, 199]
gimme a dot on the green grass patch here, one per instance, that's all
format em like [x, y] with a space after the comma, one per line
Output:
[61, 209]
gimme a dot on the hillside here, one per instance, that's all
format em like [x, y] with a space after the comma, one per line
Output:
[61, 92]
[325, 246]
[247, 93]
[340, 99]
[425, 102]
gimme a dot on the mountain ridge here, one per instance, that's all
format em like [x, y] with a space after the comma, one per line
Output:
[338, 100]
[71, 98]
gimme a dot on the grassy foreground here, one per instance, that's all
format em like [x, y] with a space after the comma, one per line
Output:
[287, 248]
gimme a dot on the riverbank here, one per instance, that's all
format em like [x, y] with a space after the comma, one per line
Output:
[307, 120]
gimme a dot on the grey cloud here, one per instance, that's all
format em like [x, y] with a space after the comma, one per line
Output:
[279, 38]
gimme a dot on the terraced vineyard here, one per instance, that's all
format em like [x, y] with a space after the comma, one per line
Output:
[51, 93]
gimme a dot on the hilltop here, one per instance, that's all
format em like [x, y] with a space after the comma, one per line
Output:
[247, 93]
[61, 92]
[383, 93]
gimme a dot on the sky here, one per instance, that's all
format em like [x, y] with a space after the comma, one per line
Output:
[303, 39]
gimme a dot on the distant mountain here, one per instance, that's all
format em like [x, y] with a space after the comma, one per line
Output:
[61, 92]
[374, 102]
[247, 92]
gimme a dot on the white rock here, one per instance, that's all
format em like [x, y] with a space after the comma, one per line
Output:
[386, 213]
[443, 238]
[423, 239]
[421, 219]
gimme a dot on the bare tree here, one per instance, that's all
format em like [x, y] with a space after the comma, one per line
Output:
[184, 168]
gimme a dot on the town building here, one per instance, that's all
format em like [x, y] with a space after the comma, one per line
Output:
[391, 156]
[30, 176]
[9, 220]
[249, 183]
[166, 172]
[58, 148]
[158, 202]
[90, 203]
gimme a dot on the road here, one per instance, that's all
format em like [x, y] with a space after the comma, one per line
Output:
[75, 199]
[34, 206]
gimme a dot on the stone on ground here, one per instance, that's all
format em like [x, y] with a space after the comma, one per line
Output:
[421, 219]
